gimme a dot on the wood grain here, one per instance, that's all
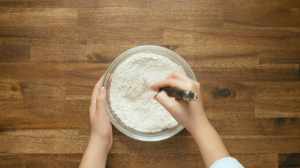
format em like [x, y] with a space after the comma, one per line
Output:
[74, 141]
[289, 160]
[263, 13]
[128, 160]
[36, 161]
[14, 49]
[244, 53]
[277, 99]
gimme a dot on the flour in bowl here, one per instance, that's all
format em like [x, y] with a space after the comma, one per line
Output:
[131, 97]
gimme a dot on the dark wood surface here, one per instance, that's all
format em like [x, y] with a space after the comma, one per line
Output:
[246, 54]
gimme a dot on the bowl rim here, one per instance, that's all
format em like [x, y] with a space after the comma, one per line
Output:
[146, 137]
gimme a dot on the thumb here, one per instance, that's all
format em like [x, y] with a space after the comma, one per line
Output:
[169, 103]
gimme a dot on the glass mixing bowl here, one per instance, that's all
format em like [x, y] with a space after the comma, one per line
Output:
[132, 133]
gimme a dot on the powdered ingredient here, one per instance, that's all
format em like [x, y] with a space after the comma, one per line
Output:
[131, 96]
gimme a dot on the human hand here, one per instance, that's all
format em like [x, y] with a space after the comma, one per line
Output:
[101, 129]
[189, 114]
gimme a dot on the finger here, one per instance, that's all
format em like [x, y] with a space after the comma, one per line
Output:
[100, 104]
[176, 75]
[169, 103]
[96, 89]
[170, 83]
[99, 83]
[180, 75]
[94, 95]
[101, 96]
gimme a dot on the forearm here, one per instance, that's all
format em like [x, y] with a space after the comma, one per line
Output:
[95, 155]
[210, 143]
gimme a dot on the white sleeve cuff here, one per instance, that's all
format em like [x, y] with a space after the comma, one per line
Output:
[226, 162]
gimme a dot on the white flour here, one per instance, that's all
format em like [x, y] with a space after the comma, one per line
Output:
[130, 94]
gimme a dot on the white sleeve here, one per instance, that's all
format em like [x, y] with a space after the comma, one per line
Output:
[227, 162]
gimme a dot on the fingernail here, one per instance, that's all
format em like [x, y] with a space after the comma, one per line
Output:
[163, 94]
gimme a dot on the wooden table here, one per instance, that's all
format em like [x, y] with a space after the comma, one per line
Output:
[246, 55]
